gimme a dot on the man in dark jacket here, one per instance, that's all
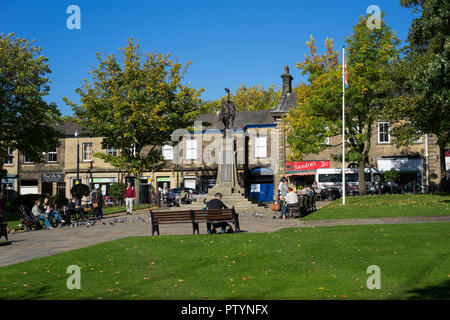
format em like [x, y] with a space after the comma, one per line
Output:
[216, 203]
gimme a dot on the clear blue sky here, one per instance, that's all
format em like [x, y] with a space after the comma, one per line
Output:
[228, 42]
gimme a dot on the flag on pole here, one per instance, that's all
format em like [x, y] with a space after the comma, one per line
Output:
[344, 71]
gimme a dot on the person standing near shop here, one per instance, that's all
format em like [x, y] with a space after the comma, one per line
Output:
[97, 203]
[129, 196]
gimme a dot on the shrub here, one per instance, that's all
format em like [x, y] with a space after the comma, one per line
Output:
[79, 191]
[116, 190]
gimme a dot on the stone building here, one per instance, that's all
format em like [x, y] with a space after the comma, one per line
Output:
[262, 157]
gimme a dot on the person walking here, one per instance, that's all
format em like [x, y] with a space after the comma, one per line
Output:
[129, 196]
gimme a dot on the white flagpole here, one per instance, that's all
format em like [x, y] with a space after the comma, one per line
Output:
[343, 125]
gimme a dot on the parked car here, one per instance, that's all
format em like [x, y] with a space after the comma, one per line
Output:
[192, 195]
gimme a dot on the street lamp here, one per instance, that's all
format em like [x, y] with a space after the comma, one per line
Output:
[78, 156]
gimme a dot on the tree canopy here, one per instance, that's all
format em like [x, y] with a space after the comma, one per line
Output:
[318, 115]
[135, 105]
[421, 80]
[249, 98]
[28, 122]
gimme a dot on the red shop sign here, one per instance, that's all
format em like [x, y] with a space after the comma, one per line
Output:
[307, 165]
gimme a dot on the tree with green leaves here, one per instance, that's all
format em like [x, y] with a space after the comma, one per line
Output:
[79, 191]
[421, 80]
[27, 122]
[117, 190]
[391, 176]
[318, 115]
[135, 106]
[249, 98]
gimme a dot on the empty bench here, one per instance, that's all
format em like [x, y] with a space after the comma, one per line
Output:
[194, 217]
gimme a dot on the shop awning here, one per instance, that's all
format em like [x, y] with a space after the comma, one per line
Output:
[306, 173]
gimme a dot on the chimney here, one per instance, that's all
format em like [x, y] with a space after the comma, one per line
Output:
[286, 81]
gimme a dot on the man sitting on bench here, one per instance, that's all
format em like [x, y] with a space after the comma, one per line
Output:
[217, 203]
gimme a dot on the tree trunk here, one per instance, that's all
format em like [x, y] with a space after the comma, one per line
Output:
[137, 187]
[361, 177]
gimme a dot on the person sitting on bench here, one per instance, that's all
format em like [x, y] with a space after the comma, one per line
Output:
[74, 208]
[36, 211]
[53, 214]
[216, 203]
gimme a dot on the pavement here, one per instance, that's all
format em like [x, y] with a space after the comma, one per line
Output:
[36, 244]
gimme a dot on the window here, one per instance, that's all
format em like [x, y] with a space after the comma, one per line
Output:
[261, 147]
[10, 156]
[191, 149]
[52, 156]
[112, 151]
[383, 132]
[87, 152]
[27, 159]
[326, 141]
[167, 152]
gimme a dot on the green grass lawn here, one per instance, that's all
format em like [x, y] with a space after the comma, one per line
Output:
[388, 205]
[295, 263]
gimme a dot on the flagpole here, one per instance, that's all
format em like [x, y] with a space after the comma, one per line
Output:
[343, 124]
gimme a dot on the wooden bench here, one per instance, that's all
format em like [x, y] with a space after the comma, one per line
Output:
[194, 217]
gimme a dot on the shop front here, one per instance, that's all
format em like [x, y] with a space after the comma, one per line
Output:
[301, 173]
[163, 184]
[7, 186]
[102, 183]
[410, 169]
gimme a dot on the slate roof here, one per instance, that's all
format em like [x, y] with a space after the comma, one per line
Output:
[287, 101]
[241, 120]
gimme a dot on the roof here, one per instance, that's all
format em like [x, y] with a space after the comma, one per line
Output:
[287, 101]
[242, 119]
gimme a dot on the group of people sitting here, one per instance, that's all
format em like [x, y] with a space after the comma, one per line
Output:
[50, 217]
[47, 214]
[288, 195]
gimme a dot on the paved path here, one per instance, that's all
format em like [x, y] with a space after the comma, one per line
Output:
[35, 244]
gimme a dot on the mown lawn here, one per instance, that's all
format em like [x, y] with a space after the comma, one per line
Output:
[296, 263]
[388, 205]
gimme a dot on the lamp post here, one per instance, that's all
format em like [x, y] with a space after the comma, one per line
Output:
[78, 157]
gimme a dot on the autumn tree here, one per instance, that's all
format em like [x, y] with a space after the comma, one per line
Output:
[318, 115]
[27, 122]
[421, 80]
[135, 106]
[249, 98]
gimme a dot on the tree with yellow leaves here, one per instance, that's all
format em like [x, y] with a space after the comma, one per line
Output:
[318, 115]
[135, 106]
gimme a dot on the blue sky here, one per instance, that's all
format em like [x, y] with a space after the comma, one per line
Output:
[228, 42]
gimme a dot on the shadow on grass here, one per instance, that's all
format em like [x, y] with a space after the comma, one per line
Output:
[436, 292]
